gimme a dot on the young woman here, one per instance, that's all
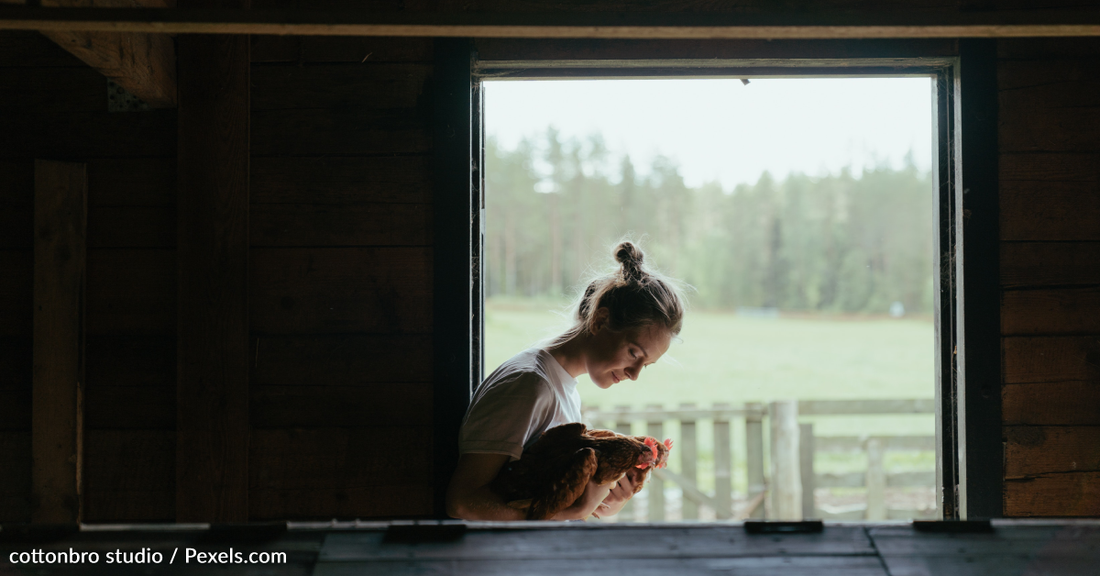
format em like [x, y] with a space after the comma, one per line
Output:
[623, 322]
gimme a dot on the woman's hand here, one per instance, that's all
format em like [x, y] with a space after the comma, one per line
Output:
[593, 496]
[620, 494]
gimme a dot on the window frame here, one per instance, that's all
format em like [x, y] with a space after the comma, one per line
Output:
[969, 455]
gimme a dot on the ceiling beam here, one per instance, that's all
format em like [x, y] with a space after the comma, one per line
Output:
[993, 24]
[142, 63]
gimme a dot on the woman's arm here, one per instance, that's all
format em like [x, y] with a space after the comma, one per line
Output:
[469, 496]
[621, 493]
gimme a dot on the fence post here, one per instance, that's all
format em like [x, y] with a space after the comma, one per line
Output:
[722, 464]
[655, 427]
[686, 445]
[754, 453]
[786, 478]
[622, 426]
[806, 462]
[876, 480]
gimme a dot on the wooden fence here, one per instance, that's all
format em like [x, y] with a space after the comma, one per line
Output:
[788, 486]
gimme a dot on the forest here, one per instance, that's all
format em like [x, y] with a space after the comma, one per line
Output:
[836, 243]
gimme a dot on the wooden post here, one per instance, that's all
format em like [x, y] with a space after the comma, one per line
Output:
[689, 456]
[622, 426]
[57, 419]
[786, 477]
[723, 465]
[212, 429]
[754, 453]
[806, 465]
[656, 486]
[876, 480]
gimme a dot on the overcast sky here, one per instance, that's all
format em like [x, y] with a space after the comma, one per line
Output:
[724, 130]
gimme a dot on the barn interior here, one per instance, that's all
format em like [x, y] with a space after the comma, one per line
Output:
[239, 264]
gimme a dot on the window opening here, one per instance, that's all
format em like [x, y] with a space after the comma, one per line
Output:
[802, 211]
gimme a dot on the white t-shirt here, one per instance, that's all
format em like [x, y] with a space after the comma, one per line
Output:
[524, 397]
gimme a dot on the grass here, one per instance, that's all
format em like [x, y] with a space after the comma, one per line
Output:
[721, 357]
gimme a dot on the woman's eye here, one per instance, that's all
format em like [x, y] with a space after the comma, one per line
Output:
[632, 354]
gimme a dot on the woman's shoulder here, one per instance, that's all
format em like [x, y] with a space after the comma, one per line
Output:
[526, 369]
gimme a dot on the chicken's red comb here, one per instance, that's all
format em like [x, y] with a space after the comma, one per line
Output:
[668, 443]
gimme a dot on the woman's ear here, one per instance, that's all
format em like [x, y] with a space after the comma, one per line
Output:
[599, 319]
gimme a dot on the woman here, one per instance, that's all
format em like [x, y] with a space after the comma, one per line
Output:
[623, 322]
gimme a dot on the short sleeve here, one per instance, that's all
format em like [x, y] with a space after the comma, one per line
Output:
[503, 418]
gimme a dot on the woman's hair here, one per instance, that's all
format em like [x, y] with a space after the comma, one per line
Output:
[634, 296]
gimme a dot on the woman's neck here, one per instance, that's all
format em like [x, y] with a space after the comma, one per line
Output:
[570, 354]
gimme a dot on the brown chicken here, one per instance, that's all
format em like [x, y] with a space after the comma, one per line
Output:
[554, 471]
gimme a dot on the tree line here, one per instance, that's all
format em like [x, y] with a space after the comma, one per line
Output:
[844, 242]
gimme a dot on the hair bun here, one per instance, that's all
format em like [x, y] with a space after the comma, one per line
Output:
[631, 257]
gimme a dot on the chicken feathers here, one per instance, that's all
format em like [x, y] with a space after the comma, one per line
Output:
[554, 471]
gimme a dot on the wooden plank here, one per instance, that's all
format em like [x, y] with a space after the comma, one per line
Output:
[131, 361]
[340, 49]
[132, 227]
[57, 427]
[806, 467]
[341, 359]
[360, 85]
[346, 225]
[379, 404]
[1051, 358]
[1051, 210]
[315, 132]
[1030, 264]
[786, 478]
[43, 90]
[1052, 403]
[876, 480]
[687, 446]
[131, 476]
[16, 359]
[723, 465]
[1051, 130]
[16, 227]
[352, 502]
[132, 182]
[64, 134]
[1050, 48]
[498, 49]
[1062, 311]
[858, 443]
[334, 290]
[1047, 168]
[108, 407]
[1036, 450]
[754, 454]
[143, 64]
[15, 476]
[503, 24]
[629, 541]
[655, 488]
[16, 292]
[600, 565]
[16, 204]
[1059, 495]
[889, 406]
[341, 180]
[213, 313]
[131, 292]
[1063, 82]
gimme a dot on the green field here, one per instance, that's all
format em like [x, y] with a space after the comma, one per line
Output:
[721, 357]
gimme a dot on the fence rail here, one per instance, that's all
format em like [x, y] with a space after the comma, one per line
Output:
[790, 483]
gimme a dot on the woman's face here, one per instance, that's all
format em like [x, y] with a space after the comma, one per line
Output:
[612, 357]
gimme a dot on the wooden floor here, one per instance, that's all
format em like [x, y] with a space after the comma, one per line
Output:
[1011, 548]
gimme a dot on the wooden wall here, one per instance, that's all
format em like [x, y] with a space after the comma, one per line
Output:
[340, 279]
[1050, 274]
[52, 106]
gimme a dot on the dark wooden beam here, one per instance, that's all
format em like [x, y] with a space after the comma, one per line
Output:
[453, 205]
[212, 419]
[697, 25]
[977, 215]
[60, 222]
[144, 64]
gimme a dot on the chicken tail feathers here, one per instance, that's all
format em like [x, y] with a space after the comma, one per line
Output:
[565, 490]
